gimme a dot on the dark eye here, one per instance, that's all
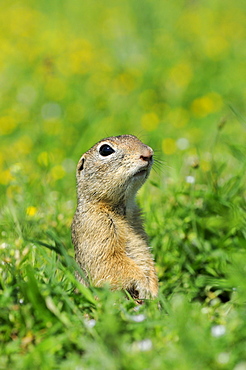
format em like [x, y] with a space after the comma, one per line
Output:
[105, 150]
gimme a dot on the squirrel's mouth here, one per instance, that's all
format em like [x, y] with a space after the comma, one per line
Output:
[141, 172]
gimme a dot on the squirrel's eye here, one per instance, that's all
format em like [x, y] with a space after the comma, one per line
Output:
[105, 150]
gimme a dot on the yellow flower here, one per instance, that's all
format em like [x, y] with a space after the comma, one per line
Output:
[169, 146]
[205, 166]
[6, 177]
[81, 56]
[23, 145]
[150, 121]
[207, 104]
[216, 47]
[7, 125]
[43, 159]
[181, 74]
[57, 172]
[31, 211]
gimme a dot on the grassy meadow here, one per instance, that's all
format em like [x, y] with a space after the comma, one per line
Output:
[173, 74]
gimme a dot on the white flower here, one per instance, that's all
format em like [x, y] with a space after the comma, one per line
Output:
[143, 345]
[4, 245]
[218, 330]
[190, 179]
[240, 366]
[138, 318]
[223, 358]
[182, 143]
[90, 323]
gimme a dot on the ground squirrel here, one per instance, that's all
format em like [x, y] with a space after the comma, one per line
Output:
[107, 229]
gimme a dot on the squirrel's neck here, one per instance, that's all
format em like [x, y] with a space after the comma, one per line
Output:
[123, 207]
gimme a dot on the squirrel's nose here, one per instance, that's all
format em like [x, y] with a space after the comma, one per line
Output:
[147, 155]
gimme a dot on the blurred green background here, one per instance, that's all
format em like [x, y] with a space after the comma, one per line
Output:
[173, 74]
[74, 72]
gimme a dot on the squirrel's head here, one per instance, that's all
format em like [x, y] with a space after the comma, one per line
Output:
[113, 169]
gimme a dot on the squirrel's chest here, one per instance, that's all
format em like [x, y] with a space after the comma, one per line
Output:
[136, 247]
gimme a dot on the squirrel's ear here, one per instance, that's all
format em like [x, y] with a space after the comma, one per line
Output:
[80, 166]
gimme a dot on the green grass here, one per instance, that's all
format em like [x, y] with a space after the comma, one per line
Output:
[172, 73]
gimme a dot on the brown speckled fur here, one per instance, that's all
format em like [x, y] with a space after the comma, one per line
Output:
[107, 230]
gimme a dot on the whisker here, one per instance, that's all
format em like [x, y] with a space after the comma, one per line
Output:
[158, 169]
[160, 161]
[161, 165]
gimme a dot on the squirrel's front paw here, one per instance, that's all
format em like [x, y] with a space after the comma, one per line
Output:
[143, 292]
